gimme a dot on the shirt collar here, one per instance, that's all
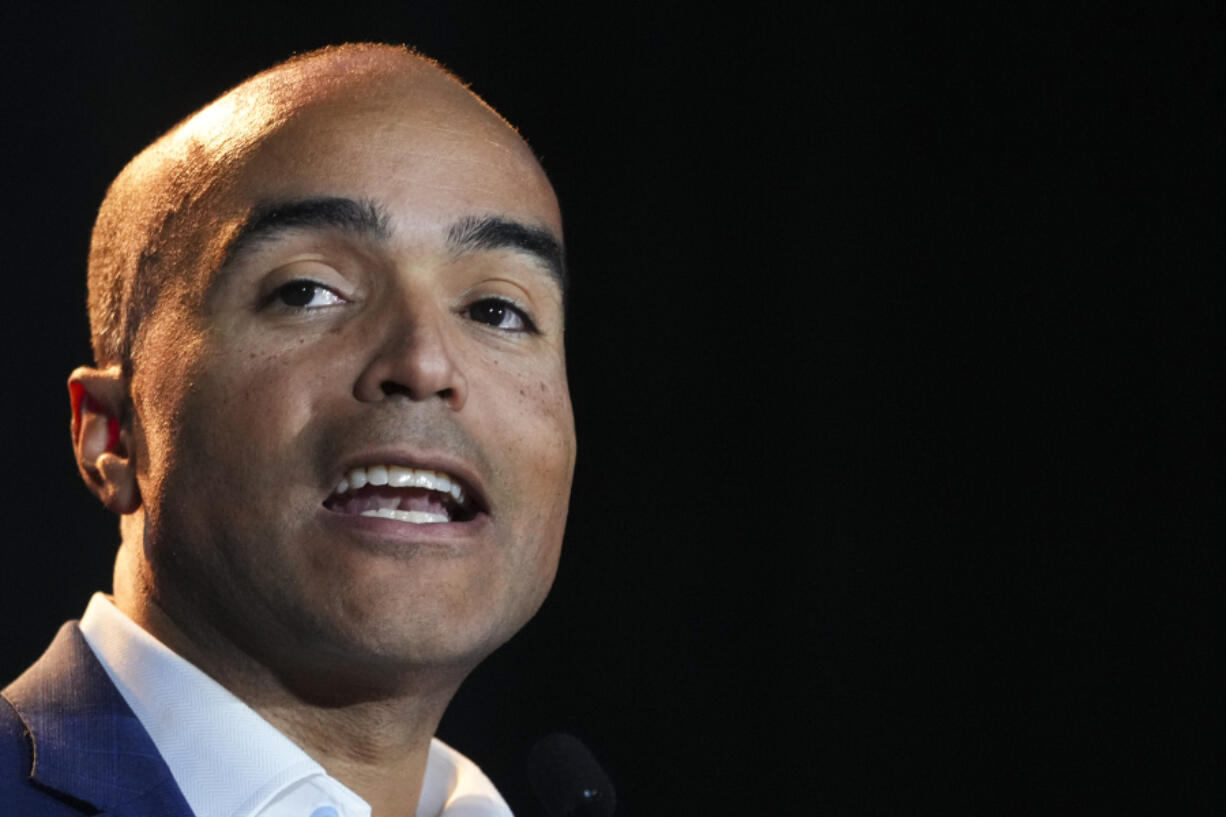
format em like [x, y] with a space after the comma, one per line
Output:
[229, 761]
[455, 787]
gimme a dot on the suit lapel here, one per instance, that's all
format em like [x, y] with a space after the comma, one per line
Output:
[87, 743]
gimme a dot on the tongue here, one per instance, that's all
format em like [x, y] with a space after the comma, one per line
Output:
[383, 498]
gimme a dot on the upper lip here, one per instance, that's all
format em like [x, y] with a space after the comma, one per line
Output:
[457, 470]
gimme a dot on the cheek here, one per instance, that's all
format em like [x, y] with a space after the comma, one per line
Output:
[256, 401]
[539, 407]
[545, 449]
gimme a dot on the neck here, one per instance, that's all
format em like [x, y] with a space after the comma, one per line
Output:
[378, 749]
[370, 733]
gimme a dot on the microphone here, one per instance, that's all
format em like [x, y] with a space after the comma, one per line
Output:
[568, 780]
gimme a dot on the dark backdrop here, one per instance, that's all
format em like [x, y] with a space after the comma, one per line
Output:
[890, 404]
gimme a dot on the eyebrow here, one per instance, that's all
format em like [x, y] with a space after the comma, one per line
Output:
[472, 234]
[367, 219]
[363, 218]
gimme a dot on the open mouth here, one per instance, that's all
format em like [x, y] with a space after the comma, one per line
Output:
[414, 495]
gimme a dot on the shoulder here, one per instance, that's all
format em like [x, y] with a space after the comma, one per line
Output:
[19, 794]
[16, 755]
[68, 740]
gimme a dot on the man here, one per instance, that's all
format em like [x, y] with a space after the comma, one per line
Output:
[330, 408]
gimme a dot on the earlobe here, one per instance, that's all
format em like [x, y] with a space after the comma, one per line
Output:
[101, 436]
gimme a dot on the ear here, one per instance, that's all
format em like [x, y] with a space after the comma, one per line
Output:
[101, 436]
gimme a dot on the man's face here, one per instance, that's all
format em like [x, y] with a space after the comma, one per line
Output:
[393, 311]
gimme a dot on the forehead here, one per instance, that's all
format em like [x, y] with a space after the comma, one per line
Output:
[424, 149]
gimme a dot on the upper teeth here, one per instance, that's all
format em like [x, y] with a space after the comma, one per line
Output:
[397, 476]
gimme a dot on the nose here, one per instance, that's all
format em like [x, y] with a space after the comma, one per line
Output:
[415, 359]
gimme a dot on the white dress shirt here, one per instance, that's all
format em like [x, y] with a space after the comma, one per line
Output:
[229, 761]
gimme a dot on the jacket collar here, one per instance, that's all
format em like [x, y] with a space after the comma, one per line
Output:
[86, 741]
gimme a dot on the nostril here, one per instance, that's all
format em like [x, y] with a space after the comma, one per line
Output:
[391, 388]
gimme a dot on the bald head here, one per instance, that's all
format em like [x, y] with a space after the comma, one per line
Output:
[170, 216]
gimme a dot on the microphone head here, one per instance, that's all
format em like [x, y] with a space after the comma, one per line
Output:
[568, 780]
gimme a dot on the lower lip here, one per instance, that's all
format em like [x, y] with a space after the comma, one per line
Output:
[377, 529]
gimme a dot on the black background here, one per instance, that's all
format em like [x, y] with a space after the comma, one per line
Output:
[892, 396]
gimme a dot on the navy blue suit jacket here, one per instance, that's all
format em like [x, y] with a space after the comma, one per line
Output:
[69, 744]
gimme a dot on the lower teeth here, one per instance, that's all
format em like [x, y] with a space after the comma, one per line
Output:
[416, 517]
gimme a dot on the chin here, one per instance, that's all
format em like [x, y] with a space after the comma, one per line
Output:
[412, 641]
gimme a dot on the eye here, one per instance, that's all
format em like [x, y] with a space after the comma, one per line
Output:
[501, 314]
[304, 294]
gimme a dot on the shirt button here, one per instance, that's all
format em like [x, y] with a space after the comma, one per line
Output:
[325, 811]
